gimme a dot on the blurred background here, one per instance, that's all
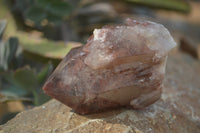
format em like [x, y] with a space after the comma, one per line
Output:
[36, 34]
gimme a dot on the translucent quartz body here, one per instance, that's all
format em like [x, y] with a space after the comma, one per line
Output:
[121, 65]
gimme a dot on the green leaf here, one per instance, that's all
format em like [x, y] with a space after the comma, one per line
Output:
[10, 90]
[7, 98]
[40, 97]
[46, 48]
[42, 76]
[2, 27]
[12, 48]
[25, 78]
[23, 4]
[8, 52]
[54, 19]
[43, 3]
[59, 8]
[3, 62]
[13, 91]
[36, 14]
[7, 76]
[24, 84]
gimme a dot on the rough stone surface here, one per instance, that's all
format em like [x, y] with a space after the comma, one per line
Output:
[121, 65]
[177, 111]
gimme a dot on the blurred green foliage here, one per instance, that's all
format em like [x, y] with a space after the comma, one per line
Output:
[43, 11]
[24, 84]
[16, 82]
[178, 5]
[24, 58]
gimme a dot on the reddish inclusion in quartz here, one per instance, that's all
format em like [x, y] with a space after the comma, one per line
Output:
[121, 65]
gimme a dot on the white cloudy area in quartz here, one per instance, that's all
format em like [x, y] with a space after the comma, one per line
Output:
[134, 39]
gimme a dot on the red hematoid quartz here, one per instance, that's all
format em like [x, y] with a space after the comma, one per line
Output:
[121, 65]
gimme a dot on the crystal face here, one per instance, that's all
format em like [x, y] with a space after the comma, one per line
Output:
[121, 65]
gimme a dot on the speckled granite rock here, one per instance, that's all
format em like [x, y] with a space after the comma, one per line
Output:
[178, 110]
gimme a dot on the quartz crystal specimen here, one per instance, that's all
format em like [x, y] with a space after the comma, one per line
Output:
[121, 65]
